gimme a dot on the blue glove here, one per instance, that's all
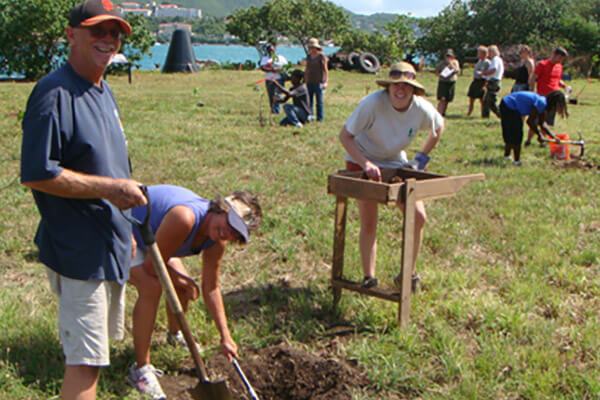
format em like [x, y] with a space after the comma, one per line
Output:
[420, 161]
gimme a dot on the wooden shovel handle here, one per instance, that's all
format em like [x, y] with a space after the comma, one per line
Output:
[175, 306]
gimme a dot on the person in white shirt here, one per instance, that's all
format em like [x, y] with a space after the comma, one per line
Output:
[272, 63]
[493, 76]
[375, 136]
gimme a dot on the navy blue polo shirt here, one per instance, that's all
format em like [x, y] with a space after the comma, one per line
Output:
[71, 123]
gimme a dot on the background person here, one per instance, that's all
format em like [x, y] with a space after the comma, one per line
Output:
[525, 71]
[517, 105]
[298, 113]
[74, 158]
[184, 225]
[316, 76]
[547, 78]
[477, 87]
[448, 74]
[375, 136]
[272, 64]
[494, 78]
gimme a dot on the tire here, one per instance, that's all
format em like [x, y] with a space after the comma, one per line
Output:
[368, 63]
[352, 60]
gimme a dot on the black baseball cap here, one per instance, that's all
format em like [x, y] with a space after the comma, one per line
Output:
[92, 12]
[561, 51]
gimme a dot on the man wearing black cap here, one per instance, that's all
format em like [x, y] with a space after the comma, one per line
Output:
[74, 158]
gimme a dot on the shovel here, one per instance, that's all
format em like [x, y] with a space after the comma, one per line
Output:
[580, 143]
[253, 394]
[205, 390]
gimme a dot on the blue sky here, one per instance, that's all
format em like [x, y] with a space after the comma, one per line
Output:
[418, 8]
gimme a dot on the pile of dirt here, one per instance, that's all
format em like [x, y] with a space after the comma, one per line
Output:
[276, 372]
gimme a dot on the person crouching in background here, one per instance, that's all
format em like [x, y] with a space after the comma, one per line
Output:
[298, 113]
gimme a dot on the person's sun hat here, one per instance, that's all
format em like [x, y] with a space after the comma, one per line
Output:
[314, 42]
[93, 12]
[403, 72]
[450, 53]
[237, 215]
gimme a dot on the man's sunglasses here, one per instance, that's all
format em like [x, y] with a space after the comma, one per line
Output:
[99, 32]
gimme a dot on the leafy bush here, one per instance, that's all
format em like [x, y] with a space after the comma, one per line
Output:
[32, 39]
[247, 65]
[30, 36]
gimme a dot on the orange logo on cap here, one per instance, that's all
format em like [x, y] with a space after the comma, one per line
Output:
[108, 5]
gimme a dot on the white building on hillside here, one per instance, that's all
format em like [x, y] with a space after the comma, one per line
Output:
[134, 8]
[146, 12]
[173, 10]
[129, 5]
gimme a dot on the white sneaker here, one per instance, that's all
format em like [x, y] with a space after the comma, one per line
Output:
[177, 340]
[508, 158]
[517, 163]
[298, 125]
[145, 381]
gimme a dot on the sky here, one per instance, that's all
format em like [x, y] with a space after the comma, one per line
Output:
[416, 8]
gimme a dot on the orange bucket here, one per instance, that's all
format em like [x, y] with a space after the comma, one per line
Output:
[560, 151]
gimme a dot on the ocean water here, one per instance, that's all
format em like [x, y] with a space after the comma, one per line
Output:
[220, 53]
[225, 53]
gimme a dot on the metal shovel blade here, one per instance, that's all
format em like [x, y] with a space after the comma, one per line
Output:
[211, 391]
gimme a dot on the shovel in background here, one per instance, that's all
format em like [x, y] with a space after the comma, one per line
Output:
[574, 100]
[205, 390]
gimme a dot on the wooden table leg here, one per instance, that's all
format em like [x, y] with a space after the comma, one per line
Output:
[404, 279]
[339, 236]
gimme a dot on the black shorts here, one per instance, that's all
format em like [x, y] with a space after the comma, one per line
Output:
[477, 89]
[445, 91]
[512, 125]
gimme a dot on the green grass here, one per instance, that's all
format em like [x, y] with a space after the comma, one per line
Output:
[510, 299]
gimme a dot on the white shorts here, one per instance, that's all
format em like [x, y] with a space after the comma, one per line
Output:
[89, 313]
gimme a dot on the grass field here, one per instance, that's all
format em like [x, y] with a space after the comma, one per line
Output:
[510, 302]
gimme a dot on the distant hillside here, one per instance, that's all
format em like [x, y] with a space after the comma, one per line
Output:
[371, 22]
[215, 8]
[223, 8]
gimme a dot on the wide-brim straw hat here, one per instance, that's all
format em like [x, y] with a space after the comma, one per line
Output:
[403, 72]
[314, 42]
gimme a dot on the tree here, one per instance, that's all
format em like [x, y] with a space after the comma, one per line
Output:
[450, 29]
[507, 22]
[304, 19]
[252, 26]
[32, 36]
[139, 42]
[295, 19]
[392, 43]
[402, 33]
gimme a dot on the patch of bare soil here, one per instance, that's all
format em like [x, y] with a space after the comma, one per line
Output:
[576, 163]
[276, 372]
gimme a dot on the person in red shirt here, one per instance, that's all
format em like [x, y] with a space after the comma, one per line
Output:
[546, 78]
